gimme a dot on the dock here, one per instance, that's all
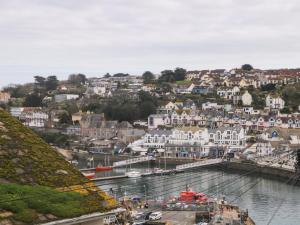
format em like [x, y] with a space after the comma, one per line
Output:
[201, 163]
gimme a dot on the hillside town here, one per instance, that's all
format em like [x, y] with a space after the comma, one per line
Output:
[192, 114]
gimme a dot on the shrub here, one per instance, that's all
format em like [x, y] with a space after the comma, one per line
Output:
[27, 216]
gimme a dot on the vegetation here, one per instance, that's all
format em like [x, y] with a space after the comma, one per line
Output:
[123, 108]
[26, 202]
[33, 100]
[184, 82]
[48, 84]
[291, 96]
[77, 79]
[247, 67]
[23, 153]
[172, 76]
[148, 77]
[59, 139]
[268, 87]
[26, 164]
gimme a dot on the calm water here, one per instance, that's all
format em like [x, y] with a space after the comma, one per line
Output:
[261, 196]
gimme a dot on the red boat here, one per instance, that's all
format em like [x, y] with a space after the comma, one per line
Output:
[89, 175]
[190, 196]
[103, 168]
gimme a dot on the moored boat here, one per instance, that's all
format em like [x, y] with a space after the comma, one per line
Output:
[89, 175]
[103, 168]
[133, 174]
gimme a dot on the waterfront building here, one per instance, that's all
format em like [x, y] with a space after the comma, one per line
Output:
[233, 137]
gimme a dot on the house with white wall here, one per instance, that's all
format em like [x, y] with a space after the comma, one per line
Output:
[274, 102]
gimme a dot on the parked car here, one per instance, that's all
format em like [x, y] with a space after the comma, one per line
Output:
[155, 216]
[139, 216]
[147, 215]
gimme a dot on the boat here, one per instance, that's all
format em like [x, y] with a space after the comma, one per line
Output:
[103, 168]
[190, 196]
[133, 174]
[89, 175]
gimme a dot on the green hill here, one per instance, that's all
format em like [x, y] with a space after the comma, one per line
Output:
[36, 183]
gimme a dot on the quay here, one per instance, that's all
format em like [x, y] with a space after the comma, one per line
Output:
[109, 178]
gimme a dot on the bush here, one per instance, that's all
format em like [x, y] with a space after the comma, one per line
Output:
[27, 216]
[45, 200]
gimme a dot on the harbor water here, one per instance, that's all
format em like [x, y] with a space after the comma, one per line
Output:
[260, 195]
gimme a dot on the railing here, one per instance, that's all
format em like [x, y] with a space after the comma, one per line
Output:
[199, 163]
[132, 161]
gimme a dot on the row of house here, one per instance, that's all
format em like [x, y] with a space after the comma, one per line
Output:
[105, 86]
[191, 141]
[241, 78]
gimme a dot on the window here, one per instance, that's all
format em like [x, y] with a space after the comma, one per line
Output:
[151, 121]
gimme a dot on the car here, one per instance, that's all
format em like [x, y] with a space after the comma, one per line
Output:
[139, 216]
[147, 215]
[155, 216]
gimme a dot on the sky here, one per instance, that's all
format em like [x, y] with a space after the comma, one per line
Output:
[61, 37]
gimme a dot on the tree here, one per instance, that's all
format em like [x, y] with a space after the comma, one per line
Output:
[147, 108]
[65, 118]
[107, 75]
[148, 77]
[51, 83]
[165, 87]
[258, 101]
[121, 75]
[167, 76]
[33, 100]
[40, 81]
[77, 79]
[247, 67]
[179, 74]
[285, 110]
[268, 87]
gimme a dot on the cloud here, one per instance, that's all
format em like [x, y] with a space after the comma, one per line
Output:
[98, 36]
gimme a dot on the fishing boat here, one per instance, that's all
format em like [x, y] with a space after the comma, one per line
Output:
[89, 175]
[133, 174]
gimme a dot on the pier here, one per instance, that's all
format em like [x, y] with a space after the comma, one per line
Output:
[133, 161]
[201, 163]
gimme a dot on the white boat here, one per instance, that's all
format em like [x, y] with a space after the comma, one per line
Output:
[133, 174]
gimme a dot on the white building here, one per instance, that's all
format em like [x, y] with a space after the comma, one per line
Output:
[156, 139]
[193, 75]
[264, 149]
[274, 102]
[246, 99]
[65, 97]
[189, 135]
[156, 120]
[211, 105]
[191, 141]
[184, 89]
[16, 111]
[30, 116]
[229, 93]
[228, 136]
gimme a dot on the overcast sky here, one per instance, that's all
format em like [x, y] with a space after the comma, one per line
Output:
[45, 37]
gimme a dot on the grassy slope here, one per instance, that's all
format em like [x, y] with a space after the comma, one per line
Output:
[27, 159]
